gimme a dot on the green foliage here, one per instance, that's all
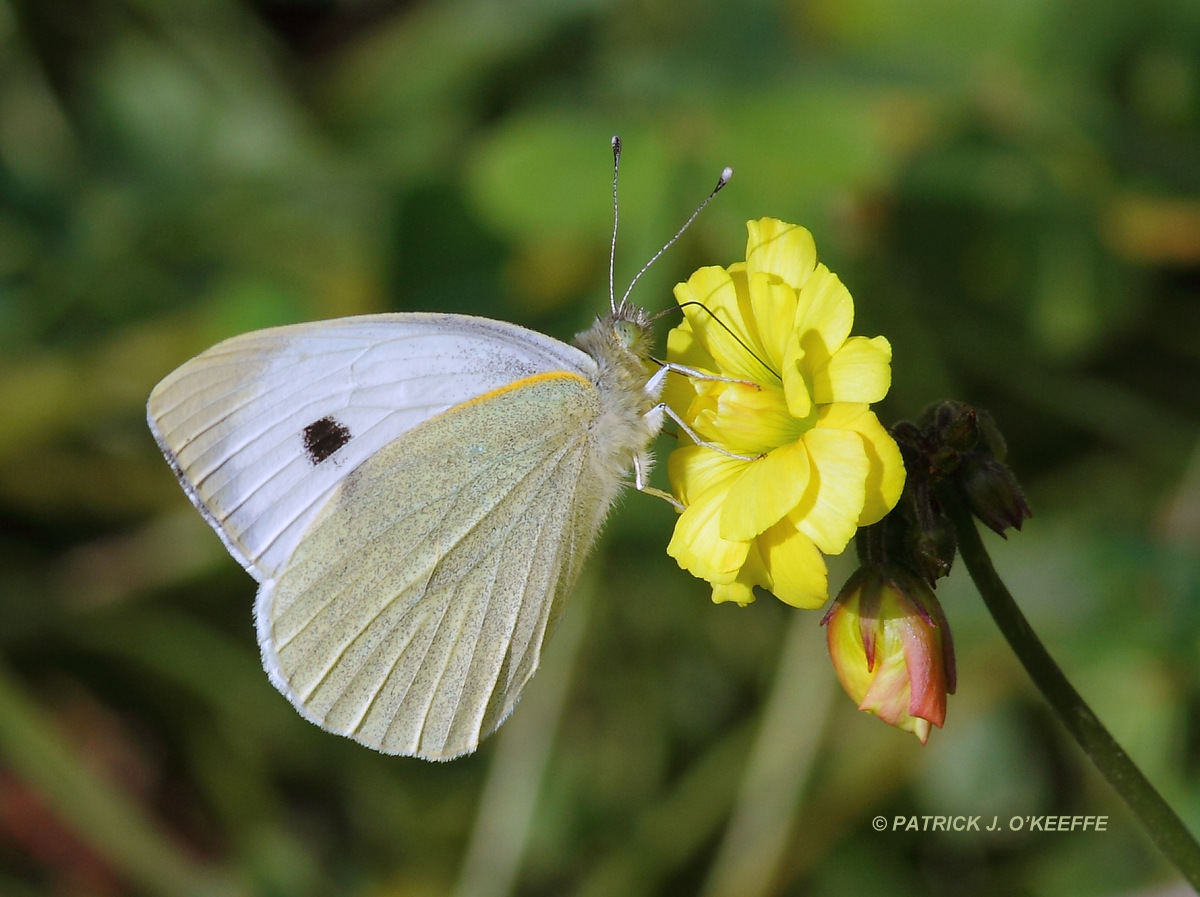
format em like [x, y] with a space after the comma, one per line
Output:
[1010, 191]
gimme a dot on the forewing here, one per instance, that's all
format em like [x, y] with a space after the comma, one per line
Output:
[415, 608]
[261, 429]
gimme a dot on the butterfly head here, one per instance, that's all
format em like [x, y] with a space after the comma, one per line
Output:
[630, 326]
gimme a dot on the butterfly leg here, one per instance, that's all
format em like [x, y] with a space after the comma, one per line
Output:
[641, 483]
[695, 437]
[654, 388]
[667, 367]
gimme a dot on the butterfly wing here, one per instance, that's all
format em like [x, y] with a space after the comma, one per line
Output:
[262, 428]
[414, 610]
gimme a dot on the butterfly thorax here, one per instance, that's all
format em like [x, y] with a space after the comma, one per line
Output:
[620, 343]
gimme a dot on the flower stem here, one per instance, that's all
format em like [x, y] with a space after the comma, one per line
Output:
[1160, 821]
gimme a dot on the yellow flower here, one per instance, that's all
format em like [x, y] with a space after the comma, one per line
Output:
[822, 463]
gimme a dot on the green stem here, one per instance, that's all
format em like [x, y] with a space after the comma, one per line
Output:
[1164, 826]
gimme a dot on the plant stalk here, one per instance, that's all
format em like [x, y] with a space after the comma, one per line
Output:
[1165, 828]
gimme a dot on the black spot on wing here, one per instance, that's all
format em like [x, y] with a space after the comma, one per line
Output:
[324, 437]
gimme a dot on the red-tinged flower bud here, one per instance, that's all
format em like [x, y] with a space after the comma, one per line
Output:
[891, 648]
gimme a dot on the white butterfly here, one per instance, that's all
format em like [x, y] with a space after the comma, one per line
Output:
[415, 494]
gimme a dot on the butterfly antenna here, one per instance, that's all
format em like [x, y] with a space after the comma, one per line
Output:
[726, 174]
[612, 249]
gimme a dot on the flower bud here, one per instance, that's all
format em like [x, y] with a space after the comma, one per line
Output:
[955, 425]
[931, 548]
[993, 493]
[891, 648]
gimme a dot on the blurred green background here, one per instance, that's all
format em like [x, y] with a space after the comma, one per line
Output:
[1010, 190]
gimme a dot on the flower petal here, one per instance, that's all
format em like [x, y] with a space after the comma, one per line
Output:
[796, 389]
[679, 394]
[885, 481]
[741, 590]
[785, 250]
[773, 304]
[765, 491]
[713, 308]
[860, 371]
[796, 568]
[698, 547]
[683, 348]
[833, 503]
[926, 672]
[738, 592]
[695, 471]
[824, 316]
[701, 478]
[744, 419]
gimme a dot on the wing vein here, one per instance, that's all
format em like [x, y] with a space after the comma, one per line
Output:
[525, 483]
[457, 495]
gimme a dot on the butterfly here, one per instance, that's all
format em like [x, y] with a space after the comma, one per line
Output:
[415, 495]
